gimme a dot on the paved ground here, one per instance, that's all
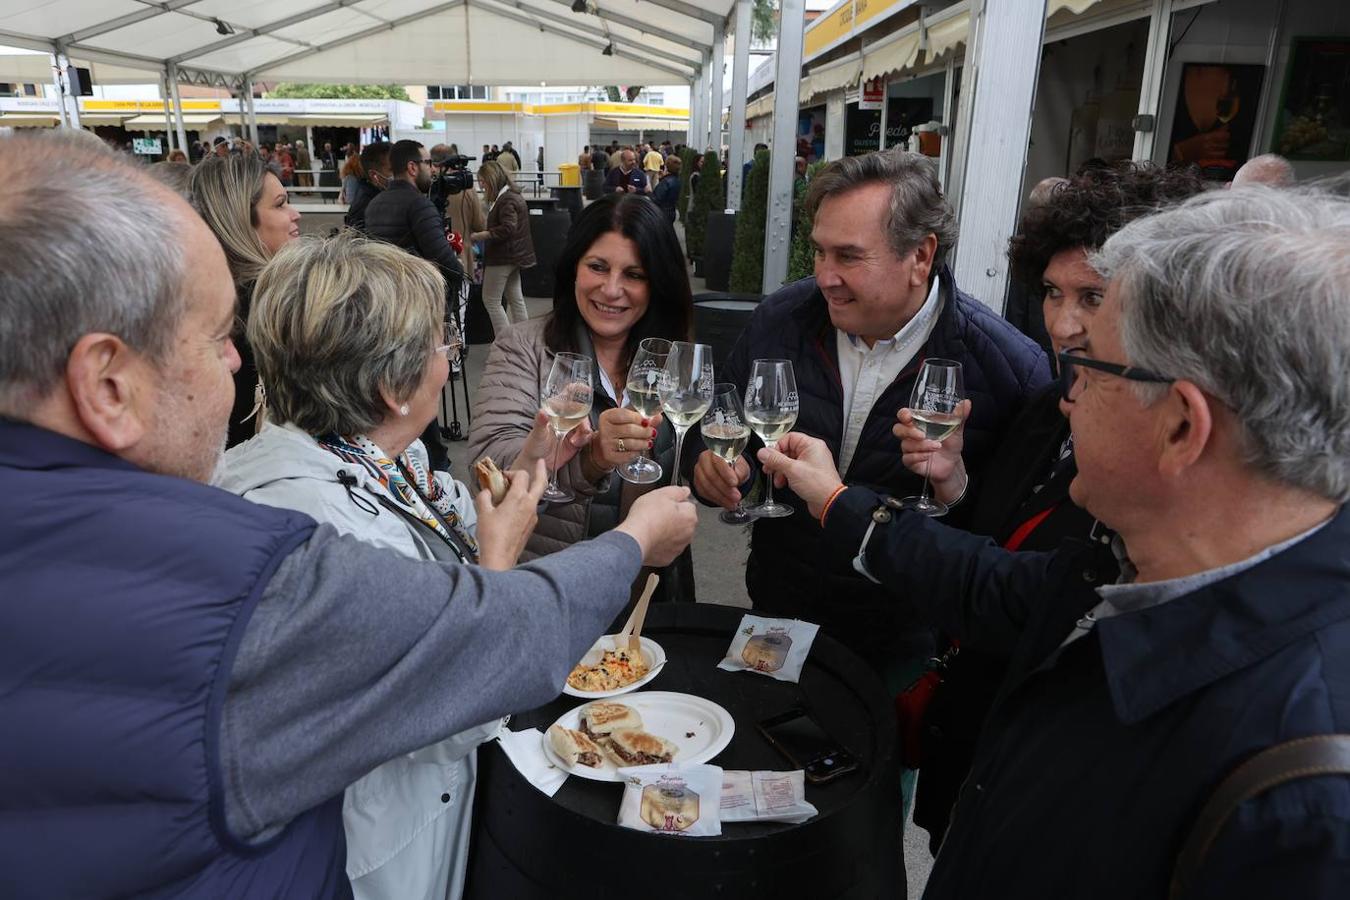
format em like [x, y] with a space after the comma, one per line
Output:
[719, 565]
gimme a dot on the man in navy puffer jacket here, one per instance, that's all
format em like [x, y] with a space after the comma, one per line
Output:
[882, 301]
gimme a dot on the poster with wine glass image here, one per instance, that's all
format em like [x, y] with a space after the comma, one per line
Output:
[1314, 116]
[1215, 117]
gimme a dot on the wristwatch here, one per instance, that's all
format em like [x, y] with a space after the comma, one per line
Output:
[884, 512]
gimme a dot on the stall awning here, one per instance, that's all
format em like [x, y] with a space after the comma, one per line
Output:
[51, 119]
[891, 57]
[328, 120]
[640, 124]
[843, 73]
[152, 122]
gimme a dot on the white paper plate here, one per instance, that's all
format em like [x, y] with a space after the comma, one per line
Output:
[699, 727]
[651, 652]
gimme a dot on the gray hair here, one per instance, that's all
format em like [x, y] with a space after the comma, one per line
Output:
[96, 249]
[1243, 292]
[918, 207]
[335, 321]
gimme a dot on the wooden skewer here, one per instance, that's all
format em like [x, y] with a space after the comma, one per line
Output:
[640, 613]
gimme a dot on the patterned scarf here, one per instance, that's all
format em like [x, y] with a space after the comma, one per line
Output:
[414, 497]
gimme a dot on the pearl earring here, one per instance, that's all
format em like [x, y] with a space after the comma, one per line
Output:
[403, 410]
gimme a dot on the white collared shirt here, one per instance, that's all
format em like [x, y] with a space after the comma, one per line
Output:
[866, 372]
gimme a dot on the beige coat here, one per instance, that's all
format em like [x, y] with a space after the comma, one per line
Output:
[466, 217]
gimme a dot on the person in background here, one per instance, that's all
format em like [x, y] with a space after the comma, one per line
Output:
[176, 176]
[507, 247]
[348, 336]
[619, 280]
[401, 214]
[465, 211]
[493, 154]
[176, 156]
[667, 193]
[486, 154]
[220, 147]
[1268, 168]
[1211, 430]
[197, 678]
[305, 164]
[1025, 502]
[651, 165]
[626, 177]
[328, 163]
[1022, 306]
[353, 173]
[584, 159]
[251, 215]
[508, 159]
[287, 161]
[376, 172]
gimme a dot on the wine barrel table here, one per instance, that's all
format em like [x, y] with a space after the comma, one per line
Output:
[526, 844]
[719, 319]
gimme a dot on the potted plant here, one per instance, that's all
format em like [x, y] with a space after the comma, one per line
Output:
[747, 261]
[801, 258]
[707, 197]
[686, 171]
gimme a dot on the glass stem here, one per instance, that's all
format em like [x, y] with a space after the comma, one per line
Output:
[740, 504]
[923, 495]
[679, 448]
[768, 489]
[557, 451]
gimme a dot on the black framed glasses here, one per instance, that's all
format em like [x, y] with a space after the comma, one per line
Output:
[1069, 358]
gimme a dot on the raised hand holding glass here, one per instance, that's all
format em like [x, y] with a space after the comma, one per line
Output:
[686, 390]
[567, 402]
[938, 391]
[771, 406]
[644, 395]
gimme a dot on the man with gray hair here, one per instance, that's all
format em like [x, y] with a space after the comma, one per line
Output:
[882, 301]
[1211, 427]
[188, 680]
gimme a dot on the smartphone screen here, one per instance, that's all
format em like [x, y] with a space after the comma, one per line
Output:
[800, 738]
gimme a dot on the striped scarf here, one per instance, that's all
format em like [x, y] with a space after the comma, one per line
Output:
[414, 498]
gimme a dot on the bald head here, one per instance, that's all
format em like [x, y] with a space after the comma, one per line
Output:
[1268, 168]
[1044, 190]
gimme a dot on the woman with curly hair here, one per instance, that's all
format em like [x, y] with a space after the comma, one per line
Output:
[1024, 502]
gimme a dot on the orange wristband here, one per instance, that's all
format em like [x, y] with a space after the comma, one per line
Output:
[825, 511]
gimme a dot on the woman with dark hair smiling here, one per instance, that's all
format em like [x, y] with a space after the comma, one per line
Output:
[621, 279]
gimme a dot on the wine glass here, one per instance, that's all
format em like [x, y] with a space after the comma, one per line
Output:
[686, 390]
[726, 433]
[567, 401]
[938, 391]
[771, 410]
[644, 381]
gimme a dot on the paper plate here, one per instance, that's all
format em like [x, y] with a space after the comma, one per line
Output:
[651, 652]
[698, 726]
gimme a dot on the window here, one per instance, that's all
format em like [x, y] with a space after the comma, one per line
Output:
[457, 92]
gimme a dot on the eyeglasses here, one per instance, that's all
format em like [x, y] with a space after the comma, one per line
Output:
[1070, 358]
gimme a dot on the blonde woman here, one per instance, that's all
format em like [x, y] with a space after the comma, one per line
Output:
[349, 339]
[507, 248]
[249, 212]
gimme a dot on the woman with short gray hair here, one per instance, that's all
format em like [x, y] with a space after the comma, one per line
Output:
[350, 341]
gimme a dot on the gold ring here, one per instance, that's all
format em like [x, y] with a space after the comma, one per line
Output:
[622, 448]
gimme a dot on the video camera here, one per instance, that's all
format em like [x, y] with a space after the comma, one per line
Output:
[453, 176]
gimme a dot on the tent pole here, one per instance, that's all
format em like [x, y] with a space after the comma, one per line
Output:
[63, 63]
[787, 76]
[252, 113]
[740, 77]
[60, 91]
[999, 91]
[168, 113]
[948, 132]
[1155, 62]
[719, 59]
[177, 108]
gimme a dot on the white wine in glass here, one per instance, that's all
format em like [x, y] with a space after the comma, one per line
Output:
[644, 395]
[686, 391]
[725, 432]
[938, 392]
[567, 403]
[771, 406]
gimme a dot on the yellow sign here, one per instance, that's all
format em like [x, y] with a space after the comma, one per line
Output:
[644, 110]
[831, 27]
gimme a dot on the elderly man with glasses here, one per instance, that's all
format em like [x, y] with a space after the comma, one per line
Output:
[1211, 427]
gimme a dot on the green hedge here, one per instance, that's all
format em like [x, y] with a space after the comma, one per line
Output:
[708, 198]
[747, 261]
[802, 259]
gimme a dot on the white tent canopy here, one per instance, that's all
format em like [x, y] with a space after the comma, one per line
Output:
[376, 41]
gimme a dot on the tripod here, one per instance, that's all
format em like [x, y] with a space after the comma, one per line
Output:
[454, 431]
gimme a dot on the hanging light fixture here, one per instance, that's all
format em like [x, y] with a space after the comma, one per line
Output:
[223, 27]
[578, 6]
[609, 50]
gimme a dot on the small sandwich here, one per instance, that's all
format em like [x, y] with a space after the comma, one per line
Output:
[491, 479]
[630, 747]
[600, 719]
[574, 747]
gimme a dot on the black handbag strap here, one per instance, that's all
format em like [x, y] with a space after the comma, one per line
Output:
[1326, 754]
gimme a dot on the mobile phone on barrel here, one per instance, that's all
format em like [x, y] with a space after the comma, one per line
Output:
[804, 743]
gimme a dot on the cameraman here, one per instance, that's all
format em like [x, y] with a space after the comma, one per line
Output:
[402, 214]
[375, 164]
[453, 196]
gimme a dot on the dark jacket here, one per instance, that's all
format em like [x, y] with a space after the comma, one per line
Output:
[667, 195]
[1024, 504]
[508, 226]
[356, 209]
[402, 215]
[785, 574]
[618, 178]
[245, 377]
[1095, 760]
[115, 663]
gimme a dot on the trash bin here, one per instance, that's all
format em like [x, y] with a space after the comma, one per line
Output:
[570, 174]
